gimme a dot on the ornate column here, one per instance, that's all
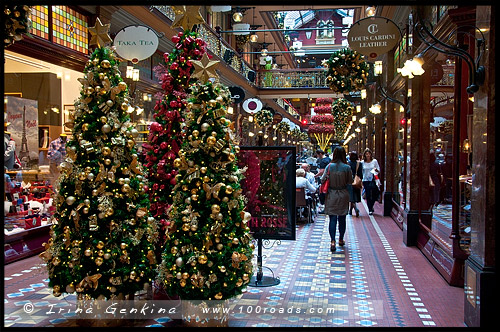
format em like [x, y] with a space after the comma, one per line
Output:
[480, 296]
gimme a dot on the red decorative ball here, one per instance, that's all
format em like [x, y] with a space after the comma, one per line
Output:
[176, 39]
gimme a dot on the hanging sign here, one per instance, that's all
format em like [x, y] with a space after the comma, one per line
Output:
[373, 36]
[136, 43]
[252, 105]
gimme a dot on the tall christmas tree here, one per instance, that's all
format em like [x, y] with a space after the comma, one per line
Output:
[102, 240]
[165, 135]
[208, 253]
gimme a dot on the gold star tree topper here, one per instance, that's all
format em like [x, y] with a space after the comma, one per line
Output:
[204, 68]
[186, 17]
[99, 34]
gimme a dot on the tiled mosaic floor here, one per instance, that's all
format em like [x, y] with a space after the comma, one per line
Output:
[374, 281]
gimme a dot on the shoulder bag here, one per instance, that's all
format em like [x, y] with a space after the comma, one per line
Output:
[323, 189]
[357, 183]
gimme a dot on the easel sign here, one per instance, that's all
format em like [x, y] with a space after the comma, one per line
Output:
[269, 186]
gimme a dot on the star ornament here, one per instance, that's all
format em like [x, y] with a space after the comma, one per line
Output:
[204, 68]
[99, 34]
[186, 17]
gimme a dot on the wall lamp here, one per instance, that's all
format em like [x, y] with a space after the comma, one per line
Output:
[476, 72]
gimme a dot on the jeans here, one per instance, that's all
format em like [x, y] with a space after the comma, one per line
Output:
[332, 228]
[371, 193]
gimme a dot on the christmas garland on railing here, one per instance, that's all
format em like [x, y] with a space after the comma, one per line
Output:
[17, 22]
[283, 127]
[347, 71]
[264, 117]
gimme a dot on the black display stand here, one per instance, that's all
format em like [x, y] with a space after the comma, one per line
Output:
[260, 280]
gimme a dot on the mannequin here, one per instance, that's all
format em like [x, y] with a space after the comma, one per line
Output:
[57, 153]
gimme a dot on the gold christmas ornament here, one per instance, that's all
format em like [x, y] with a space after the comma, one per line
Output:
[204, 68]
[99, 34]
[186, 17]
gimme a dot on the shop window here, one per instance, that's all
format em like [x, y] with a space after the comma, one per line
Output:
[69, 28]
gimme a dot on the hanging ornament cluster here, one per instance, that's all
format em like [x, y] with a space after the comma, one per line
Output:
[102, 239]
[322, 130]
[342, 110]
[17, 22]
[347, 71]
[264, 117]
[165, 133]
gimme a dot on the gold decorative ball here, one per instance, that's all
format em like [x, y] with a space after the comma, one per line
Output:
[87, 252]
[204, 126]
[185, 275]
[56, 261]
[174, 250]
[186, 227]
[239, 282]
[107, 255]
[218, 296]
[196, 133]
[99, 261]
[70, 200]
[122, 86]
[126, 188]
[100, 245]
[107, 161]
[211, 140]
[123, 246]
[177, 163]
[236, 241]
[229, 190]
[222, 268]
[202, 259]
[106, 151]
[85, 127]
[215, 208]
[106, 128]
[194, 227]
[124, 106]
[182, 282]
[105, 64]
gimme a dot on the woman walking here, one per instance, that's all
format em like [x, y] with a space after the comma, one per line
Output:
[370, 167]
[354, 193]
[337, 197]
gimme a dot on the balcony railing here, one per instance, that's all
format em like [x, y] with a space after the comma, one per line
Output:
[292, 78]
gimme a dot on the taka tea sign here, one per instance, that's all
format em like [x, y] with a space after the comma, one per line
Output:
[373, 36]
[136, 43]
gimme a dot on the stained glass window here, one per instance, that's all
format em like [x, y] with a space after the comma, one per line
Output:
[69, 28]
[40, 21]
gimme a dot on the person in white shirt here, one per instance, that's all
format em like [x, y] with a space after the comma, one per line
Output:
[309, 175]
[370, 166]
[302, 182]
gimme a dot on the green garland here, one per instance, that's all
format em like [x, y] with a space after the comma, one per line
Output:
[347, 71]
[17, 23]
[283, 127]
[264, 117]
[342, 111]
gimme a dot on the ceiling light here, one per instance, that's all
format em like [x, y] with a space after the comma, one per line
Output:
[254, 38]
[238, 16]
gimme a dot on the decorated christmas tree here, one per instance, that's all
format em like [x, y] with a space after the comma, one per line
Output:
[208, 252]
[102, 239]
[165, 135]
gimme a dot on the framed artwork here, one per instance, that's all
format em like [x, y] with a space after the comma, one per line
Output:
[66, 111]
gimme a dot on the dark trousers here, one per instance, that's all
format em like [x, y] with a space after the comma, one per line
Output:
[332, 228]
[371, 194]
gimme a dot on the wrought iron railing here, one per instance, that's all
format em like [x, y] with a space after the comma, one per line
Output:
[292, 78]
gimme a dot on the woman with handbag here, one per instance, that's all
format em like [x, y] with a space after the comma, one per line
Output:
[355, 188]
[370, 167]
[338, 175]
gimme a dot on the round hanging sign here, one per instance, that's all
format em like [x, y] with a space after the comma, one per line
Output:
[136, 43]
[252, 105]
[373, 36]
